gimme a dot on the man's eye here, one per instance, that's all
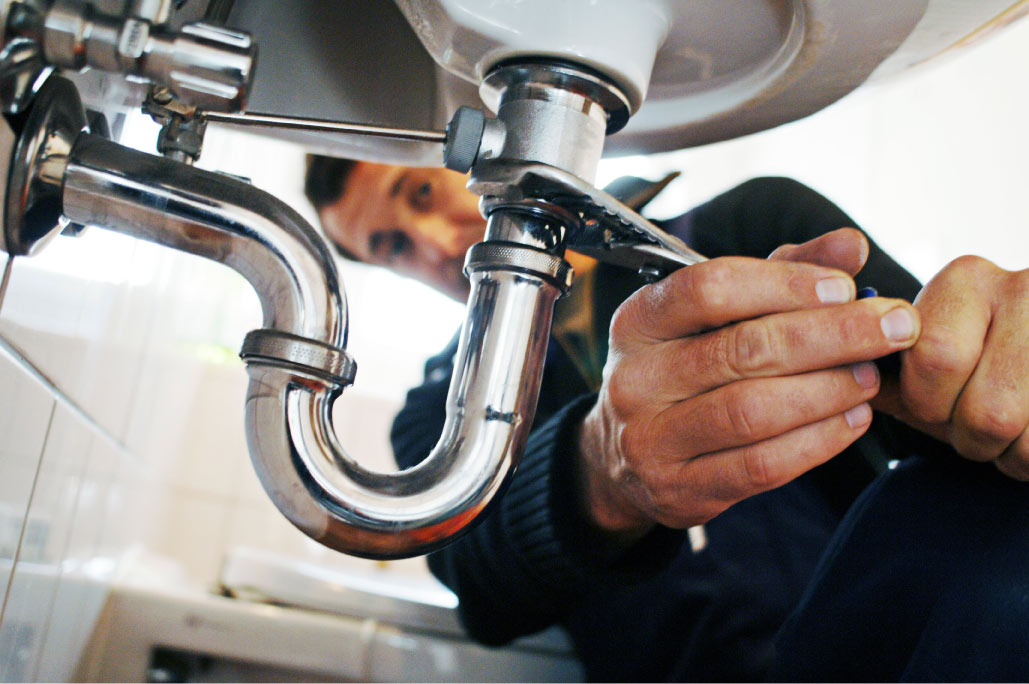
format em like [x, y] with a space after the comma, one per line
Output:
[387, 246]
[421, 196]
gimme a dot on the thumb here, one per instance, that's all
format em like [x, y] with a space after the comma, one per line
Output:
[845, 249]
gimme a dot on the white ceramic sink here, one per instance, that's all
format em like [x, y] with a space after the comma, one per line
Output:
[698, 70]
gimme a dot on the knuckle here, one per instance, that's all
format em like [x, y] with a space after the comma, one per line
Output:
[627, 319]
[710, 286]
[970, 262]
[994, 421]
[969, 266]
[1017, 287]
[934, 358]
[758, 472]
[939, 352]
[927, 409]
[629, 441]
[965, 271]
[621, 392]
[856, 332]
[752, 347]
[742, 412]
[783, 251]
[648, 304]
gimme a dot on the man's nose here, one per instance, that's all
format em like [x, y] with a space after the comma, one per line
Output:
[441, 241]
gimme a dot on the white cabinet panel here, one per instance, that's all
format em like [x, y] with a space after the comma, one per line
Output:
[396, 655]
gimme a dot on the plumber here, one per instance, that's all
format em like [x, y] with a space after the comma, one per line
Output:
[700, 443]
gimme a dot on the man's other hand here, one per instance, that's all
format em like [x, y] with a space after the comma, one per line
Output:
[966, 381]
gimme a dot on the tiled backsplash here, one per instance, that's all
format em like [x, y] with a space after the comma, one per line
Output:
[122, 415]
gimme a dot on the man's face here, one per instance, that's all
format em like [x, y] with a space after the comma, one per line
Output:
[419, 222]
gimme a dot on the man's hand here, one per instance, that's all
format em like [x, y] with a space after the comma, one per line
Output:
[730, 378]
[966, 381]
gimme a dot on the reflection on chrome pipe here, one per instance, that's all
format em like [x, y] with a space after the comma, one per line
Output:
[214, 216]
[298, 364]
[489, 408]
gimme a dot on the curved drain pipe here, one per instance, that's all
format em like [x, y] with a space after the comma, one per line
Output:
[298, 364]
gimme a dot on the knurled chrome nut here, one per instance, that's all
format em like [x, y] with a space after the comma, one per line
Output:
[464, 134]
[133, 38]
[510, 256]
[300, 354]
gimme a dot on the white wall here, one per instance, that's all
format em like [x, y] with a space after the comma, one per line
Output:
[933, 163]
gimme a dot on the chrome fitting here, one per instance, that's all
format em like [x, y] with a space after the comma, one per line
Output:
[299, 355]
[507, 256]
[22, 72]
[208, 67]
[555, 113]
[33, 205]
[544, 79]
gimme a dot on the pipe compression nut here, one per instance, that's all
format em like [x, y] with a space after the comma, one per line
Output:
[509, 256]
[300, 354]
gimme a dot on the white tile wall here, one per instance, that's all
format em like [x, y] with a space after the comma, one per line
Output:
[145, 448]
[89, 558]
[32, 606]
[26, 409]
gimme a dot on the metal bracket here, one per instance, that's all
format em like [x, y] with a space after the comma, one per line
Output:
[182, 131]
[608, 231]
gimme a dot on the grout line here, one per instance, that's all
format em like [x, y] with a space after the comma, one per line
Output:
[28, 508]
[19, 357]
[60, 575]
[8, 267]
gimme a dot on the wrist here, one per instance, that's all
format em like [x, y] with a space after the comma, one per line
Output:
[604, 502]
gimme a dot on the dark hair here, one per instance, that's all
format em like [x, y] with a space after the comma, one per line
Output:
[323, 185]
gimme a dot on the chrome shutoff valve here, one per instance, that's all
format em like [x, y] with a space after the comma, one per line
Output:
[205, 66]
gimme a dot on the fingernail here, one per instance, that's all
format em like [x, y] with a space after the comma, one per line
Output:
[866, 374]
[898, 325]
[859, 416]
[833, 290]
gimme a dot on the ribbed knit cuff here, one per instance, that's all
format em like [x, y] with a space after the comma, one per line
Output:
[544, 518]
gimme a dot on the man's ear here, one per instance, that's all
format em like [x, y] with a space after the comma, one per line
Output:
[845, 249]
